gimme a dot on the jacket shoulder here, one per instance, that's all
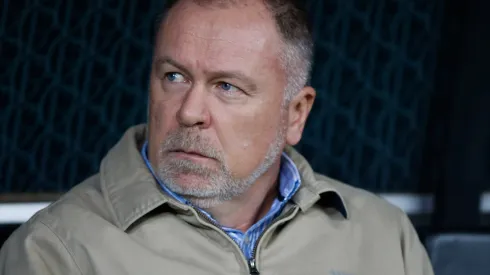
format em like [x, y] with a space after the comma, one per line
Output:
[82, 203]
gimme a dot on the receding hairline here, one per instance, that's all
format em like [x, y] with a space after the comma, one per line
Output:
[273, 12]
[214, 4]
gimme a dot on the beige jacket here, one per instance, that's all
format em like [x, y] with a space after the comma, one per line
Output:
[120, 222]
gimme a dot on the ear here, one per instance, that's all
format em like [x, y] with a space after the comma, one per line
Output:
[298, 111]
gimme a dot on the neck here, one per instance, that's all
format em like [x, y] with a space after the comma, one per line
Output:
[242, 212]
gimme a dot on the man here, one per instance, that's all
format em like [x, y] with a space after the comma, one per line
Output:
[213, 185]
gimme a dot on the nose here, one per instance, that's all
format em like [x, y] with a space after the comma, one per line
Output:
[193, 111]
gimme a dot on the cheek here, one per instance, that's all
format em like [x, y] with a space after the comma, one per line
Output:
[162, 116]
[255, 133]
[161, 122]
[249, 140]
[163, 108]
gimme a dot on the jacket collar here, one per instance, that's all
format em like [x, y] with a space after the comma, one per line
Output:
[315, 188]
[126, 183]
[131, 191]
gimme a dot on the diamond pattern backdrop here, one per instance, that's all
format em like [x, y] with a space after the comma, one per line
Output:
[73, 77]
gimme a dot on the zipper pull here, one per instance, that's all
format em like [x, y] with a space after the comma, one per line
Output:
[252, 266]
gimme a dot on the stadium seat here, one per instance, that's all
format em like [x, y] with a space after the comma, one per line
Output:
[460, 254]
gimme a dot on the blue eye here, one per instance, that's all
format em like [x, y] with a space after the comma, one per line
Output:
[228, 87]
[175, 77]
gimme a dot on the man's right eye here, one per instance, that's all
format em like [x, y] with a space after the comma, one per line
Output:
[175, 77]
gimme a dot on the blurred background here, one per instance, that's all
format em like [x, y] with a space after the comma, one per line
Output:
[403, 107]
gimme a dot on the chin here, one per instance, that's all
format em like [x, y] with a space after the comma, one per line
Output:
[192, 185]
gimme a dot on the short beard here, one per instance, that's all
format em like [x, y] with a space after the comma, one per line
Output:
[220, 185]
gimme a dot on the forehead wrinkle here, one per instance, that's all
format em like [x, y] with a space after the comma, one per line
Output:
[210, 39]
[216, 47]
[249, 37]
[253, 20]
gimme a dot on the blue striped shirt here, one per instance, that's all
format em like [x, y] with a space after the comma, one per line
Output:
[289, 182]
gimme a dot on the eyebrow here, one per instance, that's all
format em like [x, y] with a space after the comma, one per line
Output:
[251, 86]
[162, 60]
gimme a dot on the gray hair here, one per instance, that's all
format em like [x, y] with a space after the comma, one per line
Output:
[292, 24]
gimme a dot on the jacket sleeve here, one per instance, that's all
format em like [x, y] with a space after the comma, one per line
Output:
[34, 249]
[415, 256]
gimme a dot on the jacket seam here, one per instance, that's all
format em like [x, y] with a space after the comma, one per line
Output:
[64, 245]
[107, 196]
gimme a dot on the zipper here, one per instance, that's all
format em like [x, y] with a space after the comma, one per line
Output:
[252, 262]
[218, 227]
[252, 267]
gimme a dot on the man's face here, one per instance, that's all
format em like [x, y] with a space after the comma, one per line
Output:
[216, 117]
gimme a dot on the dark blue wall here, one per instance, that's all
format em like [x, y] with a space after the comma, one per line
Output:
[73, 77]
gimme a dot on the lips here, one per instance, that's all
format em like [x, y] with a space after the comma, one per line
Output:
[191, 152]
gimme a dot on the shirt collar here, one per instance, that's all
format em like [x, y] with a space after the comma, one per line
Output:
[289, 178]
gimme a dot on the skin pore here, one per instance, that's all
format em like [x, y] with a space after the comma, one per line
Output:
[218, 123]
